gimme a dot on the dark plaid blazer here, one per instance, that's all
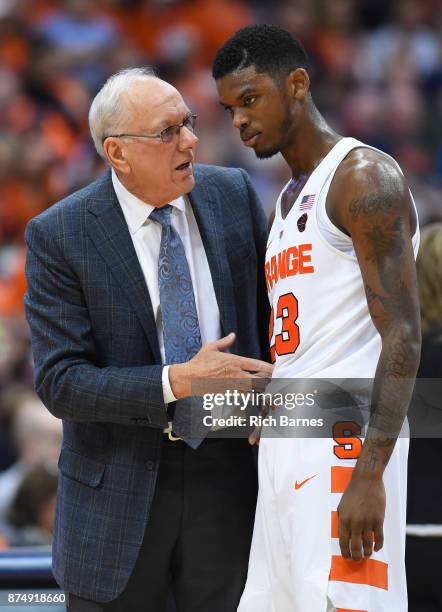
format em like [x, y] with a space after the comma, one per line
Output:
[98, 364]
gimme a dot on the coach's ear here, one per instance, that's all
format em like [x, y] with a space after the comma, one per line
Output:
[115, 153]
[298, 84]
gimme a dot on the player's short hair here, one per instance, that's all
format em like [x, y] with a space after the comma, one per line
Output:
[268, 48]
[107, 109]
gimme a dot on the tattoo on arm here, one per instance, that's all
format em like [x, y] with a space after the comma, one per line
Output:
[371, 204]
[392, 300]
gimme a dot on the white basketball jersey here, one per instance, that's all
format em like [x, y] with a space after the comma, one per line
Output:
[321, 328]
[320, 324]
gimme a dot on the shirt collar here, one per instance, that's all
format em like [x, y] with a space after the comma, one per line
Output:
[136, 212]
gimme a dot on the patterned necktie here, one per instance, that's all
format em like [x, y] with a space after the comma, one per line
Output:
[181, 332]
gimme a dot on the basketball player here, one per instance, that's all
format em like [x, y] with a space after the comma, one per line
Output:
[340, 269]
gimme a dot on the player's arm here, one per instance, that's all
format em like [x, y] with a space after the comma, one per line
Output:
[371, 202]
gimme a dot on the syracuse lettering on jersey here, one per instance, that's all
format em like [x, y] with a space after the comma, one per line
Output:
[291, 261]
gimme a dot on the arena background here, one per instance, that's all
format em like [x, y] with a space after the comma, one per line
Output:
[376, 68]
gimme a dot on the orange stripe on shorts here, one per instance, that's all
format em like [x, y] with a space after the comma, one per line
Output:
[334, 525]
[340, 478]
[348, 610]
[369, 571]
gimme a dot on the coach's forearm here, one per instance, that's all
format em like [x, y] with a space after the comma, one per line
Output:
[84, 392]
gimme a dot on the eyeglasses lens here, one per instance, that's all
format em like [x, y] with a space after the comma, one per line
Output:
[169, 133]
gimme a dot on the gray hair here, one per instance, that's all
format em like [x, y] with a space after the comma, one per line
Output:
[107, 110]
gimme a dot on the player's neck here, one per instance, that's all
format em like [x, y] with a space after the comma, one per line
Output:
[313, 140]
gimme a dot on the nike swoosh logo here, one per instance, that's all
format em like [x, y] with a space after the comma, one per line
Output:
[301, 484]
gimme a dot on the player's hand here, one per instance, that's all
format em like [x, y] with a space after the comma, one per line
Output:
[255, 436]
[212, 363]
[361, 517]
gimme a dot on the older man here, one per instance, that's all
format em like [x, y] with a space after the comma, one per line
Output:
[132, 282]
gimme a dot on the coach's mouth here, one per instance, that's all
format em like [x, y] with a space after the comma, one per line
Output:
[185, 167]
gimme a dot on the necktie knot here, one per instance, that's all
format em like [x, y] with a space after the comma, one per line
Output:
[162, 215]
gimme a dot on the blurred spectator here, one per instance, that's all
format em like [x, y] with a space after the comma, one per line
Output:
[15, 358]
[80, 39]
[429, 267]
[299, 18]
[37, 436]
[30, 520]
[191, 29]
[424, 516]
[336, 39]
[404, 49]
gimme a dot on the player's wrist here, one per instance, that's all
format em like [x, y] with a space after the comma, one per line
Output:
[365, 472]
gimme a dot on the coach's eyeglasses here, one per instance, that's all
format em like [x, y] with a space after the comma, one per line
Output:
[167, 135]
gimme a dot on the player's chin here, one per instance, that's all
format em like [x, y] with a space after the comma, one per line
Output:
[263, 152]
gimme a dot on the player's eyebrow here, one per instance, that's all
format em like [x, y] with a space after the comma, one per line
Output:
[247, 89]
[244, 91]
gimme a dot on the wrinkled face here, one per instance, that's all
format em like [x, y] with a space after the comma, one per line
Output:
[155, 170]
[259, 109]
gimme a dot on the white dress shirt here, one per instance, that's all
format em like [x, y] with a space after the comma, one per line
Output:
[146, 238]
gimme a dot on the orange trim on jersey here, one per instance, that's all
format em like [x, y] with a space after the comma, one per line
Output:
[369, 571]
[334, 524]
[348, 610]
[340, 478]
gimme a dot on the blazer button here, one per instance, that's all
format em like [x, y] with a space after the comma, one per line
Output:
[150, 465]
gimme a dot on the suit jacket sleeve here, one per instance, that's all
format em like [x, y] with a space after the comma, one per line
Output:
[67, 380]
[260, 232]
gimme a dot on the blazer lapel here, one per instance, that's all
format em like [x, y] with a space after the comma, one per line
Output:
[108, 230]
[208, 213]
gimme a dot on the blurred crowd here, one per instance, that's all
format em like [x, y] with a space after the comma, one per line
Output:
[376, 70]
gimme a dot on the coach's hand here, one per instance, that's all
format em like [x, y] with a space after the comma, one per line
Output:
[212, 363]
[361, 517]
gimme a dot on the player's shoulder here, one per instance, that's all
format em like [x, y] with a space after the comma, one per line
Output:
[365, 169]
[368, 183]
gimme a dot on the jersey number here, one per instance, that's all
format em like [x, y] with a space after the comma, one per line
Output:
[348, 444]
[287, 341]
